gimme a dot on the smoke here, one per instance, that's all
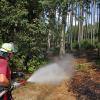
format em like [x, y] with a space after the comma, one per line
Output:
[61, 69]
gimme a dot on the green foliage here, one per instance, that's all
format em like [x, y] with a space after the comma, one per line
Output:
[28, 36]
[11, 19]
[17, 62]
[97, 61]
[98, 45]
[35, 64]
[24, 23]
[75, 45]
[80, 67]
[86, 44]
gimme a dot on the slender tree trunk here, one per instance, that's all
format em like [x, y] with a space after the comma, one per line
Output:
[99, 31]
[85, 34]
[99, 25]
[51, 23]
[49, 39]
[80, 34]
[71, 25]
[91, 25]
[75, 35]
[68, 28]
[86, 21]
[94, 9]
[62, 41]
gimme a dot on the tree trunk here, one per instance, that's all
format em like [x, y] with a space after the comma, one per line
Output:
[99, 31]
[49, 39]
[80, 34]
[62, 42]
[94, 9]
[71, 25]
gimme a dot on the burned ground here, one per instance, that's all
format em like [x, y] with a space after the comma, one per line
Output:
[85, 85]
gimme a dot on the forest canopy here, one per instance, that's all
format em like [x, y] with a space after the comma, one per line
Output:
[44, 27]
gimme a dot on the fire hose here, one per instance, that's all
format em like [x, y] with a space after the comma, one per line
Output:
[3, 92]
[13, 86]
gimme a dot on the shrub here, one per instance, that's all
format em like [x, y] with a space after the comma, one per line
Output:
[86, 44]
[35, 64]
[97, 64]
[80, 67]
[17, 63]
[75, 45]
[98, 45]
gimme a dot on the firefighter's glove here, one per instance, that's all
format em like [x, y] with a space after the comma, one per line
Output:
[14, 86]
[18, 84]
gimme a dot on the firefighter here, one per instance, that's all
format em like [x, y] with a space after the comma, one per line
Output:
[6, 53]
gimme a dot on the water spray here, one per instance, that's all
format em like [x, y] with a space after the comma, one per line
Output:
[56, 72]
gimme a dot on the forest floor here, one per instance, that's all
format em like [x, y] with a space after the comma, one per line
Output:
[85, 84]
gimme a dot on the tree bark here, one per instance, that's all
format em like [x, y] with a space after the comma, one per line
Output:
[80, 34]
[99, 31]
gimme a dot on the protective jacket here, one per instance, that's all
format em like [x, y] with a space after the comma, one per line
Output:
[5, 69]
